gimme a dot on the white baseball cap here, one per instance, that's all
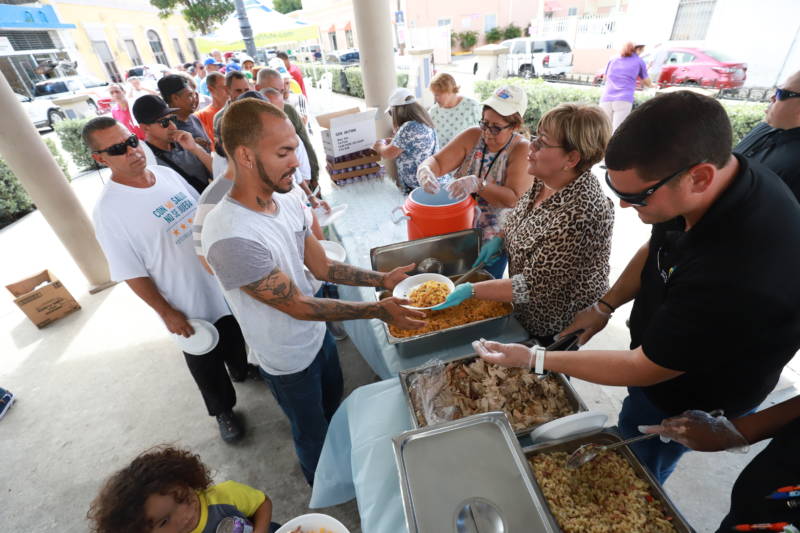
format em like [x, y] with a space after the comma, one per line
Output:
[507, 100]
[401, 96]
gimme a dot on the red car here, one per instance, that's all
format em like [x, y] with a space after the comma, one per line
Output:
[671, 65]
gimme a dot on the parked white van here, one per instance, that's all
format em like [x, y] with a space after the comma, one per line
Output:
[528, 57]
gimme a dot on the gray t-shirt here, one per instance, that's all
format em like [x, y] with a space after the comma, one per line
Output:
[243, 246]
[191, 168]
[213, 195]
[195, 127]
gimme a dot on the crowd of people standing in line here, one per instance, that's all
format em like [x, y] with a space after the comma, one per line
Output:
[237, 246]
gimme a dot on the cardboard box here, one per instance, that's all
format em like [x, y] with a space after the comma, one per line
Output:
[44, 304]
[347, 131]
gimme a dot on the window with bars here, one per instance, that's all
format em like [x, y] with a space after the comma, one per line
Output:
[692, 19]
[193, 47]
[133, 52]
[177, 44]
[158, 50]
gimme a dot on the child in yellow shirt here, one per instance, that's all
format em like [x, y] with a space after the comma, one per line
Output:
[169, 490]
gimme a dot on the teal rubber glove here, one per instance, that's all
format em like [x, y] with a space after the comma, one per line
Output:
[462, 292]
[490, 252]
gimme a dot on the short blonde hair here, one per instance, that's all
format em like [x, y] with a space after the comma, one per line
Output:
[583, 128]
[444, 83]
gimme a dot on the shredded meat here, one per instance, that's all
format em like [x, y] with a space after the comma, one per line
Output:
[464, 388]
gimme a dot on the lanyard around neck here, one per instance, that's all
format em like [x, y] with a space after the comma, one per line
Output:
[481, 175]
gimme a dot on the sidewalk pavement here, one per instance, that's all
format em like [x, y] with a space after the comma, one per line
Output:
[103, 384]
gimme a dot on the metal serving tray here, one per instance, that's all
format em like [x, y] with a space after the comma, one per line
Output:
[457, 251]
[469, 475]
[439, 340]
[405, 382]
[606, 436]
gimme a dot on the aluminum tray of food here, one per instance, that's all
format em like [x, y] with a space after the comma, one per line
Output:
[439, 391]
[455, 251]
[473, 319]
[613, 492]
[487, 487]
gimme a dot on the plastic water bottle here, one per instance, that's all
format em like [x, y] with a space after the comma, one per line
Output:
[234, 524]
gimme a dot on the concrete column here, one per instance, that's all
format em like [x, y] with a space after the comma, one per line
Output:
[374, 28]
[30, 160]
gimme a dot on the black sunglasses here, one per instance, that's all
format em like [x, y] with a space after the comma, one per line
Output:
[494, 130]
[639, 199]
[783, 94]
[120, 148]
[164, 122]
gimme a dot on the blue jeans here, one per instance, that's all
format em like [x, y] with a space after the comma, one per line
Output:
[661, 458]
[499, 267]
[309, 398]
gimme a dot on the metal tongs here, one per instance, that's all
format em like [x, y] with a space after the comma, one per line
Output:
[589, 451]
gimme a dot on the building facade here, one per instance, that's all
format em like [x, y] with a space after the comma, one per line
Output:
[99, 38]
[112, 36]
[32, 45]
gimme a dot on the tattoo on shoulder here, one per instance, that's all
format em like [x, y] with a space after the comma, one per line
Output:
[350, 275]
[274, 288]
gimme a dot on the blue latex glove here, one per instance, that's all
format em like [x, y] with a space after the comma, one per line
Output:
[461, 293]
[490, 252]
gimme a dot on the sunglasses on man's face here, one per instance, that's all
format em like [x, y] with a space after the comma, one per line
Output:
[639, 199]
[164, 122]
[120, 148]
[783, 94]
[491, 128]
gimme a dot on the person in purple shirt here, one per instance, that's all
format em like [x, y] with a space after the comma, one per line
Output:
[620, 82]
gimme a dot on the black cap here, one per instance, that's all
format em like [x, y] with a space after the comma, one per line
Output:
[149, 108]
[251, 94]
[171, 84]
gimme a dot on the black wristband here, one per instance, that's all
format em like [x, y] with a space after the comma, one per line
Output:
[601, 301]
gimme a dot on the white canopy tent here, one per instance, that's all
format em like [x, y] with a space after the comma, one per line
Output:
[270, 27]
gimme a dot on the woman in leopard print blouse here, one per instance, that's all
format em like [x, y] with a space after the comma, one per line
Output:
[558, 237]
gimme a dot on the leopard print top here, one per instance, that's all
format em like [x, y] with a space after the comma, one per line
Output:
[559, 253]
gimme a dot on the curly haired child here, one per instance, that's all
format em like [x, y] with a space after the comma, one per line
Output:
[169, 490]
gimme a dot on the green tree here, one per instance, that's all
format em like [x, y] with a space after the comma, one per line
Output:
[202, 15]
[512, 31]
[287, 6]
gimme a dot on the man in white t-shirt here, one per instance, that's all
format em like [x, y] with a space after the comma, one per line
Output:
[257, 243]
[143, 222]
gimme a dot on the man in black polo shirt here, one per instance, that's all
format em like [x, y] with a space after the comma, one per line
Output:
[775, 143]
[715, 315]
[172, 147]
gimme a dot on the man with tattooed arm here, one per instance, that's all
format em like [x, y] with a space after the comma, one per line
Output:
[257, 242]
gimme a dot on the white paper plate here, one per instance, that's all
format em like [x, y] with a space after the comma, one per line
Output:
[575, 424]
[312, 523]
[407, 286]
[204, 340]
[325, 219]
[334, 250]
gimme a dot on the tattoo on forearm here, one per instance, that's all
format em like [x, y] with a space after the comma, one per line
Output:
[325, 309]
[350, 275]
[278, 291]
[272, 289]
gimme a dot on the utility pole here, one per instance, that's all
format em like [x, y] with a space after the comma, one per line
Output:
[247, 30]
